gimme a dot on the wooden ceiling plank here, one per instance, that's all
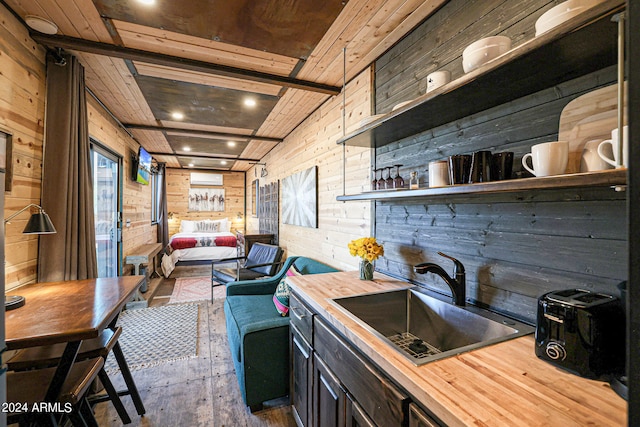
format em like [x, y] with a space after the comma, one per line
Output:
[119, 87]
[85, 19]
[257, 150]
[294, 106]
[355, 15]
[170, 73]
[186, 127]
[205, 50]
[421, 12]
[153, 141]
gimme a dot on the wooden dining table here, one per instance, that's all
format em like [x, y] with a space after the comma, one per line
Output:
[66, 312]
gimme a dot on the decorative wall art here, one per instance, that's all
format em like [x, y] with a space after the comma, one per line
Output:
[206, 199]
[300, 198]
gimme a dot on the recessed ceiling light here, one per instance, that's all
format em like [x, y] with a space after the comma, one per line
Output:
[250, 102]
[40, 24]
[177, 115]
[147, 2]
[190, 165]
[223, 162]
[231, 144]
[186, 148]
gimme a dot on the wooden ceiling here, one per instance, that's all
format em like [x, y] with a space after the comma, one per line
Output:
[205, 58]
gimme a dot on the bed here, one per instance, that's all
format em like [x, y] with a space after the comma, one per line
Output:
[199, 242]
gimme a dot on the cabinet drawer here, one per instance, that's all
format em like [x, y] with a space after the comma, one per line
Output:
[301, 317]
[381, 400]
[418, 418]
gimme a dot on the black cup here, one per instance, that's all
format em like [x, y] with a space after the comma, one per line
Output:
[501, 165]
[480, 167]
[459, 168]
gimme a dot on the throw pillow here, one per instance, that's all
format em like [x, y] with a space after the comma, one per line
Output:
[187, 226]
[281, 297]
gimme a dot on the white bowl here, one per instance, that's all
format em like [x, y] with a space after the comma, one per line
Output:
[561, 13]
[484, 50]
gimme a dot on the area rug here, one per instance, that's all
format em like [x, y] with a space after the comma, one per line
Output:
[191, 289]
[157, 335]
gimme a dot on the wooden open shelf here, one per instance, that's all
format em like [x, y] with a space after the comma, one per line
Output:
[608, 178]
[577, 47]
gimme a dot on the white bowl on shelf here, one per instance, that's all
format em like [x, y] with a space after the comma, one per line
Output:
[484, 50]
[561, 13]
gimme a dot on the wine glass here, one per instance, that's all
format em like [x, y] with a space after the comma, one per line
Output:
[374, 181]
[380, 182]
[388, 180]
[398, 182]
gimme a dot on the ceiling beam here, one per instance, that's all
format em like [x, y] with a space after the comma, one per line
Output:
[106, 49]
[204, 156]
[195, 132]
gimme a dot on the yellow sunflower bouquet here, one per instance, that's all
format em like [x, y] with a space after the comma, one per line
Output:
[369, 250]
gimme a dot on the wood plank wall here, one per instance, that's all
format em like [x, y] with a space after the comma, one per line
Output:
[178, 184]
[515, 247]
[22, 106]
[313, 142]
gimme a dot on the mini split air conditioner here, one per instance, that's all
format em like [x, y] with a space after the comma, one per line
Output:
[198, 178]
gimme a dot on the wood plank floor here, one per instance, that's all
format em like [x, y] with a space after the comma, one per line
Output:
[202, 391]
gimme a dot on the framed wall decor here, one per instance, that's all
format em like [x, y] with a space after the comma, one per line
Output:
[206, 199]
[300, 198]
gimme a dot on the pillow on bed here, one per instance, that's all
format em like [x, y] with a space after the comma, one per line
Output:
[187, 226]
[224, 224]
[208, 226]
[281, 297]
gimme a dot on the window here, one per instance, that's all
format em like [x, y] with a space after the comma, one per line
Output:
[156, 195]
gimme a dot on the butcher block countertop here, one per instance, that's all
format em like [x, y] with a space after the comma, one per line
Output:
[504, 384]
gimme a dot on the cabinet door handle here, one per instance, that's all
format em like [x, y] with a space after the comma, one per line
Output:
[299, 316]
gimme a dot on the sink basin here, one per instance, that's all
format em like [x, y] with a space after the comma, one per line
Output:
[423, 328]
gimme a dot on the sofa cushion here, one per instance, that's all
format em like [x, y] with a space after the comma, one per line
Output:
[281, 296]
[249, 314]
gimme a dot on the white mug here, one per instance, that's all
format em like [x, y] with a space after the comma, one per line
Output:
[437, 79]
[613, 142]
[591, 160]
[438, 173]
[548, 158]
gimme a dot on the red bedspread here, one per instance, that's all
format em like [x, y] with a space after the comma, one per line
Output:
[193, 242]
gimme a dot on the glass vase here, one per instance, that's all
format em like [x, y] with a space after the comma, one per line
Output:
[366, 270]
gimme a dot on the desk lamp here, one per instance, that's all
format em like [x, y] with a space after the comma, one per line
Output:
[39, 223]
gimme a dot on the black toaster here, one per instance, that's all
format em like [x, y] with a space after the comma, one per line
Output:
[582, 332]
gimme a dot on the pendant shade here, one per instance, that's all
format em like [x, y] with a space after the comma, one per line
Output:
[39, 223]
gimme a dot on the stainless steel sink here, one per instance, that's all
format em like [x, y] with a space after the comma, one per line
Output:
[424, 329]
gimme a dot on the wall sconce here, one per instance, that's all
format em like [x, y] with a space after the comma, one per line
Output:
[239, 216]
[39, 223]
[170, 216]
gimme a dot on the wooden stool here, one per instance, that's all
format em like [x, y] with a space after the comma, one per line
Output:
[46, 356]
[29, 388]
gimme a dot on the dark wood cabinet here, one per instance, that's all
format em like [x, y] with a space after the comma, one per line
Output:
[328, 396]
[333, 384]
[355, 415]
[418, 418]
[301, 377]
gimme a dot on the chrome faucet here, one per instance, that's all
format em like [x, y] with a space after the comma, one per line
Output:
[457, 284]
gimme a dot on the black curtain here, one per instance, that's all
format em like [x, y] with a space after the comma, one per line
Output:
[67, 188]
[163, 220]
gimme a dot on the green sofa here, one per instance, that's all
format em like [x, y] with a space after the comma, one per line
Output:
[259, 336]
